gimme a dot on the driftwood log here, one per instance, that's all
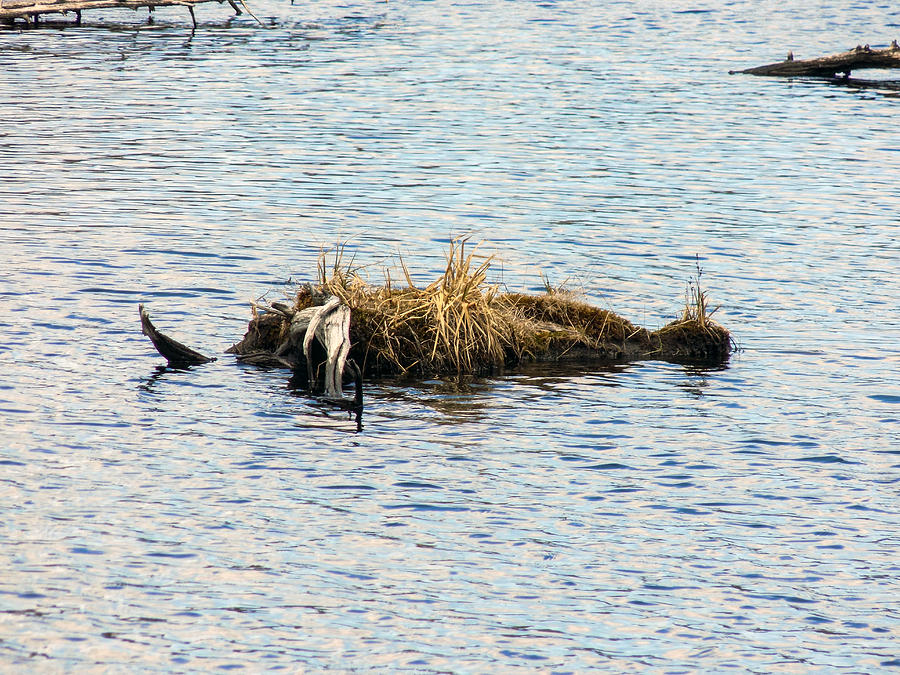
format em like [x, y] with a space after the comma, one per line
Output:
[858, 58]
[31, 10]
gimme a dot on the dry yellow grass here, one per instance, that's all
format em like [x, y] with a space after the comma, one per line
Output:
[695, 334]
[453, 325]
[462, 324]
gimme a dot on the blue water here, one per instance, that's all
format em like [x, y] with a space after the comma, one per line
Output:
[642, 518]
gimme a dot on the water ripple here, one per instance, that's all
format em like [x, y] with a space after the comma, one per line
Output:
[640, 517]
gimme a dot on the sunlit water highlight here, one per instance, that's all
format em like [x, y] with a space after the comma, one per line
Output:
[647, 517]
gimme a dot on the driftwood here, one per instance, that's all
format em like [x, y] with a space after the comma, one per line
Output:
[30, 10]
[328, 325]
[858, 58]
[177, 354]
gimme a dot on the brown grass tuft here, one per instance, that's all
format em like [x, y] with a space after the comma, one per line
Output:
[453, 325]
[695, 336]
[461, 324]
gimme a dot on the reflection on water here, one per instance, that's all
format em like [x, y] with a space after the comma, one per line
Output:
[641, 517]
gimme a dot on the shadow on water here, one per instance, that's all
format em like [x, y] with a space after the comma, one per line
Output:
[697, 378]
[149, 383]
[456, 399]
[461, 399]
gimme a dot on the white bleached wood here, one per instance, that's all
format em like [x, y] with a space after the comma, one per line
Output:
[332, 342]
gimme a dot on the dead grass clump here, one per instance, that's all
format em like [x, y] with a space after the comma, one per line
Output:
[453, 325]
[461, 324]
[593, 325]
[695, 336]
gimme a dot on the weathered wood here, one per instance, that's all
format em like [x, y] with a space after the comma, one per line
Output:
[860, 57]
[177, 354]
[330, 324]
[30, 10]
[334, 319]
[11, 9]
[293, 344]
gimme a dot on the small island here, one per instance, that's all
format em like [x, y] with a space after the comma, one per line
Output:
[458, 325]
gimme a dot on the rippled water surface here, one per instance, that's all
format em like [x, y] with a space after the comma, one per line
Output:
[647, 518]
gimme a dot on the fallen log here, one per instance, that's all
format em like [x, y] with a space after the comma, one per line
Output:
[31, 10]
[860, 57]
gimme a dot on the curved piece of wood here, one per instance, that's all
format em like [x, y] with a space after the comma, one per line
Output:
[296, 336]
[827, 66]
[337, 344]
[177, 354]
[315, 320]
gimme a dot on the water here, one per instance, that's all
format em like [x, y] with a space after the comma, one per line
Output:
[644, 518]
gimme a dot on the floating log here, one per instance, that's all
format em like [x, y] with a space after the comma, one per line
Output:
[860, 57]
[30, 10]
